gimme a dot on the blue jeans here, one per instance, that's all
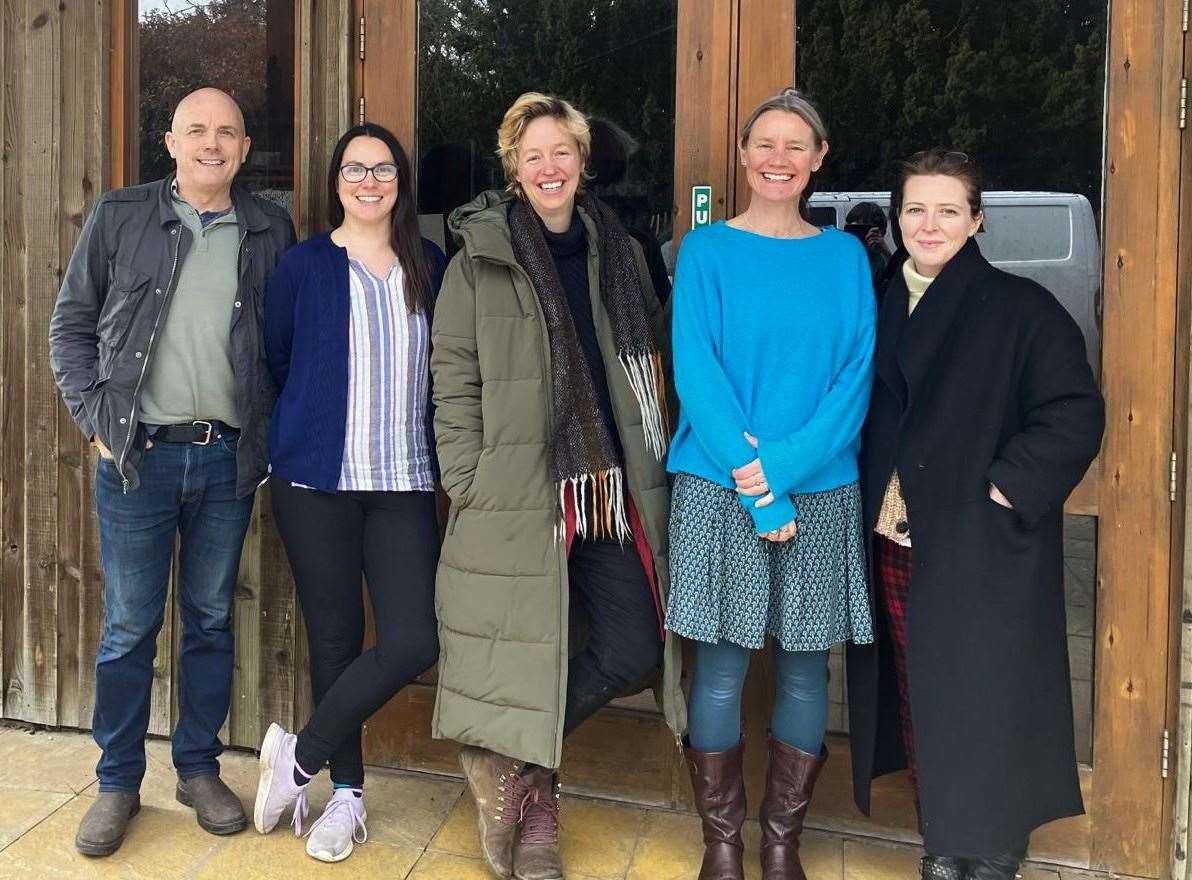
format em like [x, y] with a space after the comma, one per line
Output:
[190, 491]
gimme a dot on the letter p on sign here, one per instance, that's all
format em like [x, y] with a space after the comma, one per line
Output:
[701, 206]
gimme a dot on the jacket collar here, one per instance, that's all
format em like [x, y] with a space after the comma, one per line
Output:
[248, 213]
[908, 344]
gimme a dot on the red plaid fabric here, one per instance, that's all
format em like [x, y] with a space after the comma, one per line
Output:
[893, 564]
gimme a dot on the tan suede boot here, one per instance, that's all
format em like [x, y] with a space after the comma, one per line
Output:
[499, 790]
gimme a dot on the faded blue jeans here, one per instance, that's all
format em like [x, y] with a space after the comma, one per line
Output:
[190, 491]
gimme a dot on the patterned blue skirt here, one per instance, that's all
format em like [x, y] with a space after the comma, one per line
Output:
[727, 583]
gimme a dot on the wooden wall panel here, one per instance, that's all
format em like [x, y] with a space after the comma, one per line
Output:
[1133, 600]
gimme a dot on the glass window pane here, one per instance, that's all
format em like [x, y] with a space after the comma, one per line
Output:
[613, 61]
[185, 44]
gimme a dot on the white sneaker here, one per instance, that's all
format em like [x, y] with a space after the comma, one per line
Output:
[340, 827]
[276, 790]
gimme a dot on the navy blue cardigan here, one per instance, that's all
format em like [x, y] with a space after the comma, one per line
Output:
[306, 349]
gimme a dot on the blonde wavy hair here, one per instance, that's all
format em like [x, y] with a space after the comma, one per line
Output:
[527, 108]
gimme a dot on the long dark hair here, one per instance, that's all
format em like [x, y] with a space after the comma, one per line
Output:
[404, 236]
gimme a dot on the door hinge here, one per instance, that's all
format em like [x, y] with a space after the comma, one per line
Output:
[1172, 478]
[361, 38]
[1164, 765]
[362, 123]
[1183, 103]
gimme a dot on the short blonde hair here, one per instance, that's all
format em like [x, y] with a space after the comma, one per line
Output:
[527, 108]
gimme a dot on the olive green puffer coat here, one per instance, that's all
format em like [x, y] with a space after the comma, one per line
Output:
[502, 590]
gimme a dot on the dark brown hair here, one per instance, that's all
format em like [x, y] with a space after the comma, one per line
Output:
[937, 160]
[404, 235]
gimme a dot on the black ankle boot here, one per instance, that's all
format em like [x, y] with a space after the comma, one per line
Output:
[1003, 866]
[942, 868]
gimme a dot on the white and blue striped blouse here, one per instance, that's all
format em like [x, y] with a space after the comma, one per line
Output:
[386, 438]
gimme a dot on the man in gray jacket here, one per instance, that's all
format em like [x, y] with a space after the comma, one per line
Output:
[155, 343]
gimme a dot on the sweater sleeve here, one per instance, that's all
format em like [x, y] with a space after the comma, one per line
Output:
[836, 423]
[278, 329]
[707, 397]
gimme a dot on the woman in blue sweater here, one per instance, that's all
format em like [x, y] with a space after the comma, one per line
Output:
[773, 344]
[347, 340]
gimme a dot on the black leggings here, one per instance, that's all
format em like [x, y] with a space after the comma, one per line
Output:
[331, 538]
[624, 642]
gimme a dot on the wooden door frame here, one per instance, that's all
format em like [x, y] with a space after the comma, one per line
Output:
[1137, 612]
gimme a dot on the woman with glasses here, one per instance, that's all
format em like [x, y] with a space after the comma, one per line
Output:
[984, 417]
[353, 470]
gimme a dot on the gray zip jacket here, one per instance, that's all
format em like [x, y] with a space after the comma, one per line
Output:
[115, 296]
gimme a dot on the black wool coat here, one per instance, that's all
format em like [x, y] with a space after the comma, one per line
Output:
[987, 382]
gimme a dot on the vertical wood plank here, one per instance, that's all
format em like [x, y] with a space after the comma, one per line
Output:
[7, 200]
[765, 66]
[244, 717]
[1179, 704]
[277, 625]
[12, 574]
[303, 37]
[703, 96]
[391, 69]
[1134, 566]
[42, 210]
[80, 154]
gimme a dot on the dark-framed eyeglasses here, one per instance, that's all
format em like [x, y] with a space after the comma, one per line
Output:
[354, 172]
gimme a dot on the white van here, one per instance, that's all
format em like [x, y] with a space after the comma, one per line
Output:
[1048, 237]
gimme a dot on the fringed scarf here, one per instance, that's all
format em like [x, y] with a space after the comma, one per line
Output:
[584, 462]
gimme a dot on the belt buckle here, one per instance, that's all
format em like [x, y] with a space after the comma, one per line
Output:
[206, 441]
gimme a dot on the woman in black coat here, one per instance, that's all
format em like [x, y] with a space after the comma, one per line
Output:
[984, 417]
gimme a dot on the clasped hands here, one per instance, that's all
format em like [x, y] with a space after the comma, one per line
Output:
[751, 482]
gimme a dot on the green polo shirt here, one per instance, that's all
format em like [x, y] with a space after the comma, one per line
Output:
[190, 375]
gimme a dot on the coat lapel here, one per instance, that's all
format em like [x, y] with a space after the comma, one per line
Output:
[890, 321]
[925, 333]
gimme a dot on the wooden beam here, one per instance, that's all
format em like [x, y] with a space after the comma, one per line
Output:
[765, 66]
[391, 69]
[704, 96]
[1134, 546]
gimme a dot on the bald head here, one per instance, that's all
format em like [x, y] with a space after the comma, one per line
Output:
[208, 143]
[202, 102]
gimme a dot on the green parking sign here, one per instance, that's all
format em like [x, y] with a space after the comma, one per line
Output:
[701, 206]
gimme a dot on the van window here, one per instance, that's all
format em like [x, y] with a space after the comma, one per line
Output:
[1026, 232]
[823, 216]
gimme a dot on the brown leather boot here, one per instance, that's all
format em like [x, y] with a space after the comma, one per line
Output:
[790, 778]
[536, 853]
[720, 800]
[498, 789]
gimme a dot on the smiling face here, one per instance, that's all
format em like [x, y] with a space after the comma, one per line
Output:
[549, 170]
[936, 220]
[781, 155]
[368, 201]
[208, 143]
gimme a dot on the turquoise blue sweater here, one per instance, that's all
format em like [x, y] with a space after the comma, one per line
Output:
[774, 337]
